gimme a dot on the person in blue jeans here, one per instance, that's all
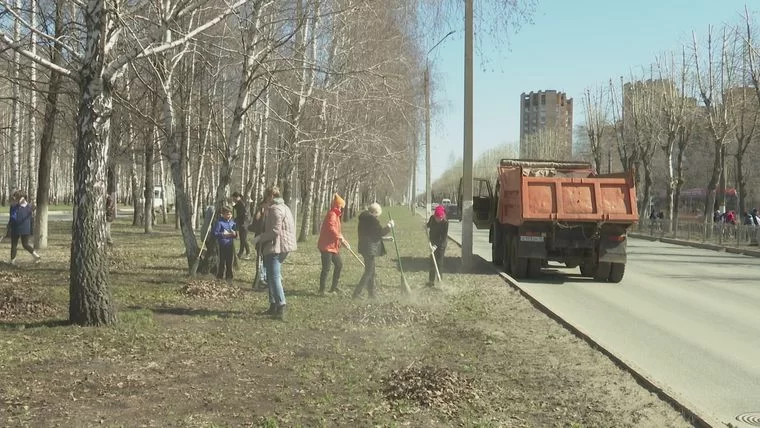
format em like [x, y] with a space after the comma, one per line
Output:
[278, 239]
[257, 227]
[225, 233]
[20, 223]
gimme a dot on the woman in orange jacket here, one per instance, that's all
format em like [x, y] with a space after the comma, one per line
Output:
[330, 240]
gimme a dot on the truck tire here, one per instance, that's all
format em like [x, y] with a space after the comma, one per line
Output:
[506, 253]
[588, 269]
[534, 267]
[497, 251]
[603, 271]
[616, 272]
[519, 264]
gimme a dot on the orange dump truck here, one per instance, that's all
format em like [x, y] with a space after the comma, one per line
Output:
[542, 211]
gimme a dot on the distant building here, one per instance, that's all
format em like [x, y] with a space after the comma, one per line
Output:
[547, 112]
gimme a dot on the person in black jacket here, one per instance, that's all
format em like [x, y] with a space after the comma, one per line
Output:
[371, 246]
[20, 225]
[241, 220]
[438, 235]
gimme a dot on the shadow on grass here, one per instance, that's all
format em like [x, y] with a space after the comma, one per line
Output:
[18, 325]
[191, 312]
[450, 265]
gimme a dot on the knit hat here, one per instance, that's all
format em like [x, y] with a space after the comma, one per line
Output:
[440, 212]
[338, 201]
[374, 209]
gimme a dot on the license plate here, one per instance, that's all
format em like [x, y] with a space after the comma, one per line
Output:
[532, 238]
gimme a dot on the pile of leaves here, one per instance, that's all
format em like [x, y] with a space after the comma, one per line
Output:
[119, 258]
[21, 303]
[385, 314]
[433, 387]
[207, 289]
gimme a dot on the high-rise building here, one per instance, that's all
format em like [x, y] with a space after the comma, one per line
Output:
[546, 125]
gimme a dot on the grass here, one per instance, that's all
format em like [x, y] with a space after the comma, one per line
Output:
[173, 360]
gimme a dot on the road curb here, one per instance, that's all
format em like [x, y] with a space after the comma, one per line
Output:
[702, 245]
[679, 404]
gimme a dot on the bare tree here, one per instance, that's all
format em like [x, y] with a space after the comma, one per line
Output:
[547, 143]
[596, 122]
[674, 109]
[714, 77]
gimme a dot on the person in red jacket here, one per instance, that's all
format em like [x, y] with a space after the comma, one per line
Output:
[330, 240]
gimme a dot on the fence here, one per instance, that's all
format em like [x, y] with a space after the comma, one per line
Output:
[717, 233]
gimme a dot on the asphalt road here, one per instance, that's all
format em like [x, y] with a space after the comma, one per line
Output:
[687, 318]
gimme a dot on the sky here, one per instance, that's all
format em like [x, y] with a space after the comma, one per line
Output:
[570, 46]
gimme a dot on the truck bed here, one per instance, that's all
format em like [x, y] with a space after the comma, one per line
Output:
[538, 191]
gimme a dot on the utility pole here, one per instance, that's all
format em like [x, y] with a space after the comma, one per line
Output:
[426, 83]
[468, 127]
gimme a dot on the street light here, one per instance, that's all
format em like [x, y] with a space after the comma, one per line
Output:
[428, 201]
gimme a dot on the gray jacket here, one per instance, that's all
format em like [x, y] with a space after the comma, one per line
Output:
[279, 234]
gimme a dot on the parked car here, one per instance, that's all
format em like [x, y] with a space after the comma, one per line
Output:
[452, 210]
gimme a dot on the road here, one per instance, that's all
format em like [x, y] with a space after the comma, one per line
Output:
[688, 318]
[60, 215]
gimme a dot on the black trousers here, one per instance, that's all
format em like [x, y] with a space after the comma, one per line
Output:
[226, 253]
[438, 254]
[327, 258]
[368, 278]
[24, 243]
[243, 235]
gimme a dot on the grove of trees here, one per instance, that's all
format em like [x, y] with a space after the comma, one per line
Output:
[197, 98]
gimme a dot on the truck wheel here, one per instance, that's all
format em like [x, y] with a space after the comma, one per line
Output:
[497, 252]
[534, 267]
[506, 253]
[603, 271]
[616, 272]
[519, 264]
[588, 269]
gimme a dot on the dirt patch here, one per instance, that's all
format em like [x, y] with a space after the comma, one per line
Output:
[210, 290]
[387, 314]
[429, 386]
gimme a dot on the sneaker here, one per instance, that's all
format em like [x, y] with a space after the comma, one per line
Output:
[280, 313]
[12, 262]
[37, 257]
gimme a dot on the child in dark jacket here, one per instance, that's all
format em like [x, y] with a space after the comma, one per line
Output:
[438, 234]
[20, 223]
[225, 233]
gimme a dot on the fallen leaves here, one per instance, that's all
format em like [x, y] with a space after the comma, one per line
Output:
[429, 386]
[17, 302]
[212, 290]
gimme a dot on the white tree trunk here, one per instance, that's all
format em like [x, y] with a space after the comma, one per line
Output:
[15, 182]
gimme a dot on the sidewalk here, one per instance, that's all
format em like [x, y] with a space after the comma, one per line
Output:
[752, 252]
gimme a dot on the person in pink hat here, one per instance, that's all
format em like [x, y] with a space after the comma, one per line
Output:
[438, 235]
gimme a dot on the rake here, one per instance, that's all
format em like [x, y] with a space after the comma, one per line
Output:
[404, 285]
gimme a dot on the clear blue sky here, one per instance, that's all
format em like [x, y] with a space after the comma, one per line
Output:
[571, 45]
